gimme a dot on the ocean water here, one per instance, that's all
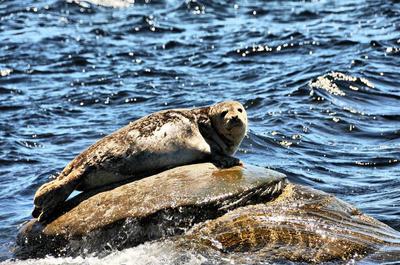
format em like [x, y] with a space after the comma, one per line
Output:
[319, 80]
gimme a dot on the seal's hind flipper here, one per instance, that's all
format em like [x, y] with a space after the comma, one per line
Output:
[36, 212]
[43, 216]
[52, 194]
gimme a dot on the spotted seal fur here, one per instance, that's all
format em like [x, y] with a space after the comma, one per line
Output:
[147, 146]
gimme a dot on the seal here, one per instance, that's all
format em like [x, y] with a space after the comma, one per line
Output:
[147, 146]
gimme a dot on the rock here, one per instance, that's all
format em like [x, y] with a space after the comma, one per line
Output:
[241, 215]
[301, 225]
[161, 205]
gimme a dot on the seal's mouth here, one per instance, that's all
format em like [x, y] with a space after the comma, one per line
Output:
[233, 122]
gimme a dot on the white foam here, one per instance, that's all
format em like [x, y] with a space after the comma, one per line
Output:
[145, 254]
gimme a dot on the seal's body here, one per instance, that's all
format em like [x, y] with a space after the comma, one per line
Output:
[147, 146]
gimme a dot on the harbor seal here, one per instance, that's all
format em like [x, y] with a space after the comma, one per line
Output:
[156, 142]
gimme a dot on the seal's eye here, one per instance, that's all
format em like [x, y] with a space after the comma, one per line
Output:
[240, 110]
[224, 113]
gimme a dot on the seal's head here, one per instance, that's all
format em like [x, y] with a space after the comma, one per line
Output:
[229, 118]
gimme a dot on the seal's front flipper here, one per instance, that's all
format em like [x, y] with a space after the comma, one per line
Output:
[223, 161]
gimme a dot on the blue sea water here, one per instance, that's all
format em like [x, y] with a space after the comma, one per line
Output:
[319, 80]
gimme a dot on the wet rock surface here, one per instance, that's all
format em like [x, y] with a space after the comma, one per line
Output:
[241, 215]
[162, 205]
[301, 225]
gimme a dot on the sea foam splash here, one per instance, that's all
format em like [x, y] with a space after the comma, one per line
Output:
[146, 254]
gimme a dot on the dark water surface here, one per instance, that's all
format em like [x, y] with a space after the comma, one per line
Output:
[319, 79]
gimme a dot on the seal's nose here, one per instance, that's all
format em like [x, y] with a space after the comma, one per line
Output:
[234, 120]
